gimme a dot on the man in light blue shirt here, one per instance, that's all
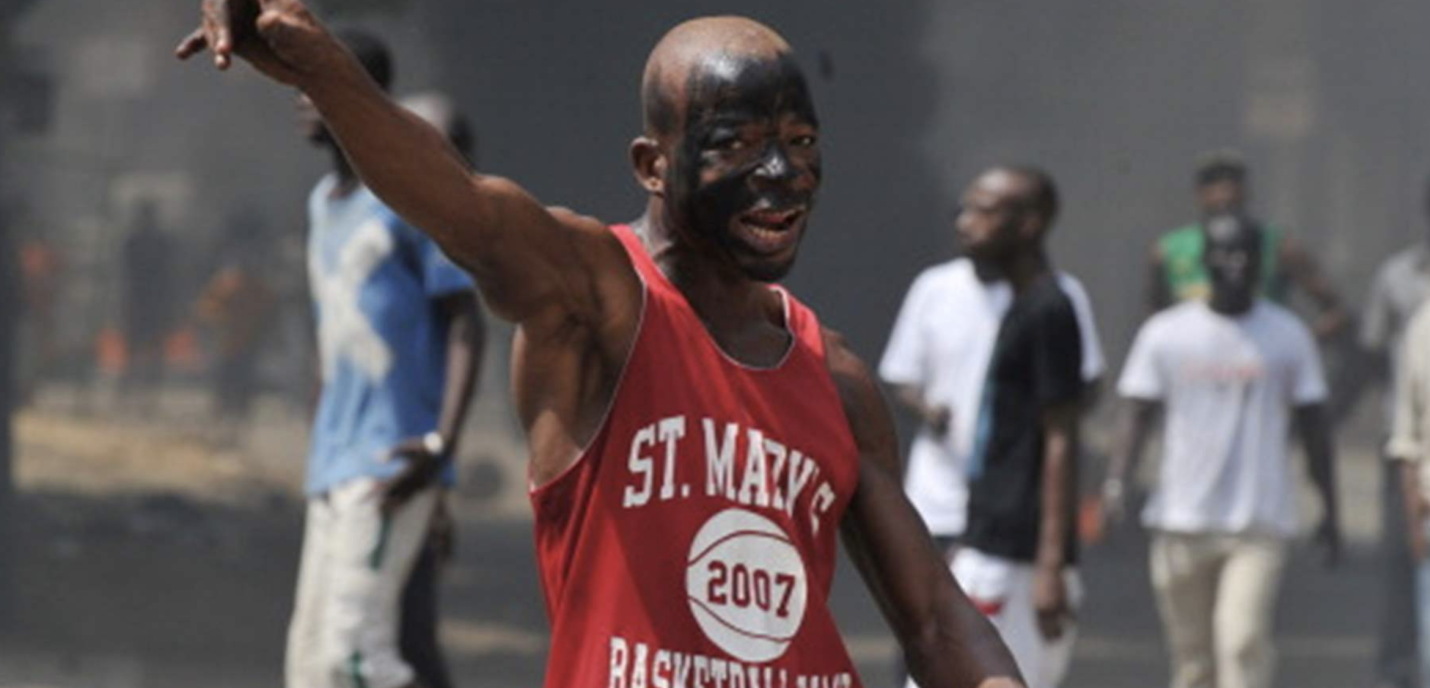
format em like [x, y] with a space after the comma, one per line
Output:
[399, 338]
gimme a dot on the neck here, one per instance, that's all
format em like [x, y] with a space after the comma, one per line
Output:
[1025, 267]
[725, 299]
[985, 271]
[1230, 303]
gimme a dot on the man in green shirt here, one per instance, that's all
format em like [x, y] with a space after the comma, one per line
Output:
[1178, 272]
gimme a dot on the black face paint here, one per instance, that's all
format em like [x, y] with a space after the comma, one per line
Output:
[725, 95]
[1233, 260]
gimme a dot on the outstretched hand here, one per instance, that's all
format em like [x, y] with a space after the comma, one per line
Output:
[280, 38]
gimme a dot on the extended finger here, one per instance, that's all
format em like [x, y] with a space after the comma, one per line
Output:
[192, 43]
[210, 27]
[222, 35]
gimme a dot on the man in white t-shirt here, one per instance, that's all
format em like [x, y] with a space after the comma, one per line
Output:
[1409, 446]
[955, 320]
[936, 361]
[1231, 373]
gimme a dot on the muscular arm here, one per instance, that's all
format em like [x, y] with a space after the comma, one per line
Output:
[946, 642]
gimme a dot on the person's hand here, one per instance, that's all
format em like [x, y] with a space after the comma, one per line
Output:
[280, 38]
[1328, 540]
[1050, 601]
[419, 471]
[938, 418]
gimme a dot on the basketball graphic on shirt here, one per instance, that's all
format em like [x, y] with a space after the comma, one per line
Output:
[746, 585]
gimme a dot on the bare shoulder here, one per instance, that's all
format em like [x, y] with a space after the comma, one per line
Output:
[599, 246]
[863, 401]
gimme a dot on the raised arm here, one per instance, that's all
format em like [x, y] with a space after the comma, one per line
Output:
[947, 643]
[528, 260]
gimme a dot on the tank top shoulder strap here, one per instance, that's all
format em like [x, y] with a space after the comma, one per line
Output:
[645, 267]
[803, 323]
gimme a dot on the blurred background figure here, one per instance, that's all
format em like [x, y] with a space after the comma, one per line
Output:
[1223, 186]
[237, 306]
[40, 289]
[936, 364]
[1400, 289]
[400, 340]
[1017, 556]
[1409, 449]
[148, 295]
[1231, 374]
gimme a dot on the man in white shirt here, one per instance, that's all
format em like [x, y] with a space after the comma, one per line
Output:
[1401, 286]
[936, 360]
[1231, 373]
[956, 319]
[1410, 446]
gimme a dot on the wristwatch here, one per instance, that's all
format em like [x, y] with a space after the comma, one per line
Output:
[434, 444]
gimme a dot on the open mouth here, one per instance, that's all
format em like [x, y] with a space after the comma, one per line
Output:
[770, 231]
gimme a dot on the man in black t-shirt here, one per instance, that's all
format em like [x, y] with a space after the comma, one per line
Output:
[1020, 546]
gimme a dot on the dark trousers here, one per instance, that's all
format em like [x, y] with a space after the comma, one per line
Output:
[1396, 661]
[417, 638]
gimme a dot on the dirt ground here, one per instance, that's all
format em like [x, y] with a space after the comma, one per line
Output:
[158, 549]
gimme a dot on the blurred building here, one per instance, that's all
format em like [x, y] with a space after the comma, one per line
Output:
[915, 97]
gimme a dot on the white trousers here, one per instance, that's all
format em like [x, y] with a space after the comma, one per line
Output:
[354, 565]
[1003, 590]
[1217, 598]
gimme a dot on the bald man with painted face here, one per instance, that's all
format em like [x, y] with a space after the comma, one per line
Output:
[697, 439]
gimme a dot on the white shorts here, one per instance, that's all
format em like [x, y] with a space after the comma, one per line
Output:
[354, 566]
[1003, 590]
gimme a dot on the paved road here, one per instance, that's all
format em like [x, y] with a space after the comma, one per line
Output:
[123, 592]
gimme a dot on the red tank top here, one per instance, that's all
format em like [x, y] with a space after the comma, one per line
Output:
[693, 543]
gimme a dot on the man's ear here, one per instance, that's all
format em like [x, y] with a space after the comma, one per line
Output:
[648, 164]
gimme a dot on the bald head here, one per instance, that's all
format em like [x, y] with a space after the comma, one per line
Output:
[730, 154]
[708, 46]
